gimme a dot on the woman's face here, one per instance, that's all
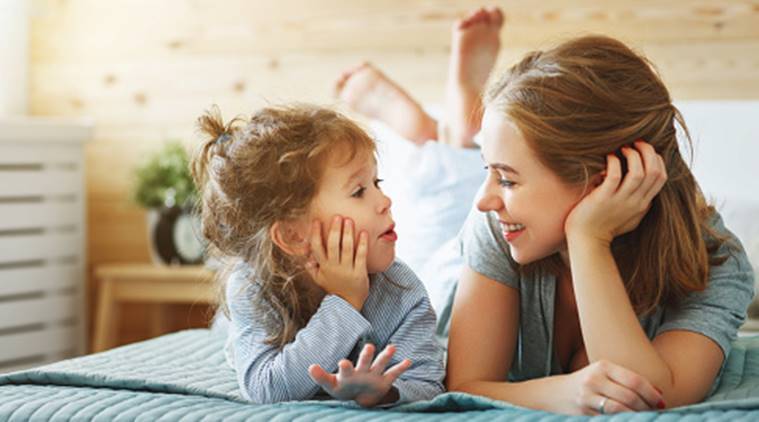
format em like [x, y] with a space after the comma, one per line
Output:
[531, 202]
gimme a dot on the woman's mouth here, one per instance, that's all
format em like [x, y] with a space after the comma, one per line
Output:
[512, 231]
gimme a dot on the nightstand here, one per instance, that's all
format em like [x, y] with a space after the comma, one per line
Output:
[146, 283]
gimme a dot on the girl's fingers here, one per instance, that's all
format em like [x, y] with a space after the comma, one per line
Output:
[325, 380]
[365, 358]
[638, 384]
[344, 369]
[333, 240]
[317, 246]
[633, 181]
[347, 253]
[383, 359]
[393, 373]
[361, 251]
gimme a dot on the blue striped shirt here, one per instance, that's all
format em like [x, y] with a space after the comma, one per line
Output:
[401, 316]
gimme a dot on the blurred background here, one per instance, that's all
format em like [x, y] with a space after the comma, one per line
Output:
[131, 76]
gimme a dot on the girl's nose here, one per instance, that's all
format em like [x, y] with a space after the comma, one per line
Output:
[384, 205]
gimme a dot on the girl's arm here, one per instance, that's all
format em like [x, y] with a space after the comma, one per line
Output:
[267, 374]
[415, 340]
[483, 335]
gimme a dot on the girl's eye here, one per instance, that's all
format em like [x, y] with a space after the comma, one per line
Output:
[359, 192]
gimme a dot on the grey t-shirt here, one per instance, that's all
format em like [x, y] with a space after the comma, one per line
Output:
[717, 312]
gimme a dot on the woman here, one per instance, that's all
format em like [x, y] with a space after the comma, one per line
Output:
[597, 279]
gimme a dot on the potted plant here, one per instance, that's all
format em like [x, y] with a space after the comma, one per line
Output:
[164, 186]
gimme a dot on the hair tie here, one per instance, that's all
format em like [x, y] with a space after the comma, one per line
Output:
[224, 137]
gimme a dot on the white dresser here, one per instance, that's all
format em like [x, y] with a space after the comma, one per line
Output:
[42, 241]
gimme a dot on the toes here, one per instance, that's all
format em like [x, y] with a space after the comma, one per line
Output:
[496, 16]
[479, 15]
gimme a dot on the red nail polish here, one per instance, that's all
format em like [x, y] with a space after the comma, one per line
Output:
[661, 404]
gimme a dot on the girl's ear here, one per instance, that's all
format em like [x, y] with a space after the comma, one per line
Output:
[289, 238]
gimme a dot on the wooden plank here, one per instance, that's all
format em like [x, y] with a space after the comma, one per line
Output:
[248, 27]
[47, 309]
[27, 363]
[45, 214]
[40, 153]
[30, 247]
[43, 278]
[39, 342]
[36, 183]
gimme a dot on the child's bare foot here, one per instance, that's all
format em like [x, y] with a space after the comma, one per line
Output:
[474, 49]
[368, 91]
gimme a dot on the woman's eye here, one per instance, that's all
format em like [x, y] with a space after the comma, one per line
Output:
[377, 182]
[505, 183]
[359, 192]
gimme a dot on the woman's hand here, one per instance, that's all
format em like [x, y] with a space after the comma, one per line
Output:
[604, 387]
[618, 205]
[339, 269]
[368, 383]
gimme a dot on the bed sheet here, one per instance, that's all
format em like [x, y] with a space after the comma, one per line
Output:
[184, 376]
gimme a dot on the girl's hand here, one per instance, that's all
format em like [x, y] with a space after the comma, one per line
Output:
[618, 205]
[338, 269]
[604, 387]
[368, 383]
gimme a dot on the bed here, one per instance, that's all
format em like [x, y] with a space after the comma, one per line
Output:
[183, 376]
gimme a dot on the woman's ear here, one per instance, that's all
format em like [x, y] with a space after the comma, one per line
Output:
[596, 180]
[290, 238]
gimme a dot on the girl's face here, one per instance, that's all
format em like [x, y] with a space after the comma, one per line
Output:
[352, 191]
[531, 202]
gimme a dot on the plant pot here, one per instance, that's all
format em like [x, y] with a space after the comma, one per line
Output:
[151, 217]
[174, 236]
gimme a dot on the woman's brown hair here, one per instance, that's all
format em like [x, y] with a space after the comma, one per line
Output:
[586, 98]
[251, 174]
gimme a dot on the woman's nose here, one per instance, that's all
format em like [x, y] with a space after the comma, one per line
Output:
[487, 199]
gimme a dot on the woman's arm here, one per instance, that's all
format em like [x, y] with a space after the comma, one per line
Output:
[484, 328]
[482, 340]
[610, 327]
[483, 333]
[612, 332]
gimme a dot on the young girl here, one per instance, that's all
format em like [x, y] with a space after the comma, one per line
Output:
[597, 278]
[293, 196]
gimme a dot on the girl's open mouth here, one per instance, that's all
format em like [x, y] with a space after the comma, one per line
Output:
[389, 234]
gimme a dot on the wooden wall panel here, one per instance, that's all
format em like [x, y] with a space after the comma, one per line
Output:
[144, 70]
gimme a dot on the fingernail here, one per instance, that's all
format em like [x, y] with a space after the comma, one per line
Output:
[337, 219]
[661, 404]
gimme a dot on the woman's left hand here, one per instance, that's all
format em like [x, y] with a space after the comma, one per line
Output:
[618, 204]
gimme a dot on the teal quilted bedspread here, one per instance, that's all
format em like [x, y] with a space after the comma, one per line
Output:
[183, 376]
